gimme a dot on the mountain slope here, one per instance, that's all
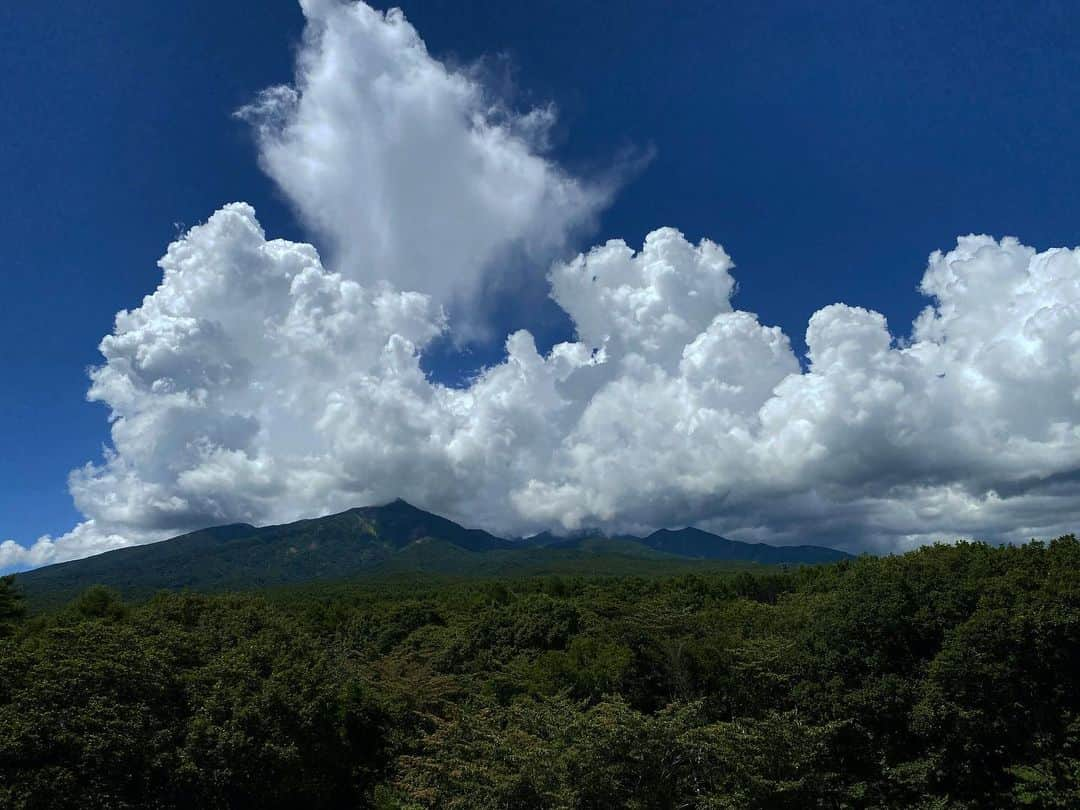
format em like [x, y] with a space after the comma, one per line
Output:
[702, 545]
[694, 544]
[243, 556]
[396, 538]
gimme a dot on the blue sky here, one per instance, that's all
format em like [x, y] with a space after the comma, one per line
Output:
[829, 147]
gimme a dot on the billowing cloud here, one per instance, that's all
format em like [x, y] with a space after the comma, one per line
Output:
[256, 385]
[409, 171]
[259, 384]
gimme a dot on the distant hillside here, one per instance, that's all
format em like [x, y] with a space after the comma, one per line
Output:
[702, 545]
[396, 538]
[694, 544]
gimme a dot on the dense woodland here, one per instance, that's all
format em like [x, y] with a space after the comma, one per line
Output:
[944, 678]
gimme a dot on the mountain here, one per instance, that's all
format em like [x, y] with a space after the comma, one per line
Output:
[702, 545]
[396, 538]
[694, 544]
[244, 556]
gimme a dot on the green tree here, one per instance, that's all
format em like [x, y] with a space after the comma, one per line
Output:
[12, 605]
[100, 602]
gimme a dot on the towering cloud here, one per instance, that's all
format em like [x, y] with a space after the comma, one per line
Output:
[409, 171]
[258, 384]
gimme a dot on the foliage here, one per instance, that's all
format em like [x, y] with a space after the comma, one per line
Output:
[945, 678]
[12, 606]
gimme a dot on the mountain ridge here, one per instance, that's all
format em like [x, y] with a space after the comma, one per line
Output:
[372, 540]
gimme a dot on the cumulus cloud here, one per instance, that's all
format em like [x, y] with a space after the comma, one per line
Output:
[407, 170]
[260, 384]
[256, 385]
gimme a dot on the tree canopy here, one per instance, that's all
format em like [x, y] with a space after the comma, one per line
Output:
[948, 677]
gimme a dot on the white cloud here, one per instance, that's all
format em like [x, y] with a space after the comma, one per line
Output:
[255, 384]
[407, 170]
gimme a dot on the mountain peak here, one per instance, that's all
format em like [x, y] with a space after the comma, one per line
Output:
[398, 505]
[365, 539]
[685, 530]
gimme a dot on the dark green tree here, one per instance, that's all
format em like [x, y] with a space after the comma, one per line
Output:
[12, 605]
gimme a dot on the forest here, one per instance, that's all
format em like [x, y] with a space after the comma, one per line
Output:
[943, 678]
